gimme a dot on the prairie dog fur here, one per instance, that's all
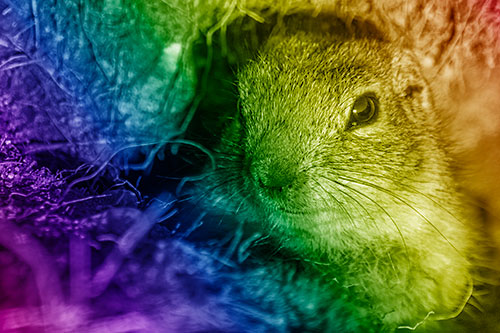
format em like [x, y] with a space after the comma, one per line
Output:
[337, 151]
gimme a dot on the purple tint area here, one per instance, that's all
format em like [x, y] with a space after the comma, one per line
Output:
[67, 271]
[116, 269]
[42, 100]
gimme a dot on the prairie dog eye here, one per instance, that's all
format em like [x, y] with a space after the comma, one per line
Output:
[364, 110]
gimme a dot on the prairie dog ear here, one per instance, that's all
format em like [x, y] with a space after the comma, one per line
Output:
[411, 86]
[409, 78]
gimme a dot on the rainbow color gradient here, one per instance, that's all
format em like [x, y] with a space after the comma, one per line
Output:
[110, 111]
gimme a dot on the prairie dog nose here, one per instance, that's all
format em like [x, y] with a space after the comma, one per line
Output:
[273, 173]
[274, 168]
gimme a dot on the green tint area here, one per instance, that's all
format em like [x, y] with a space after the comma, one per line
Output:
[152, 77]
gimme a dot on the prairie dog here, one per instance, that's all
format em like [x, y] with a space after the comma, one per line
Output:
[337, 152]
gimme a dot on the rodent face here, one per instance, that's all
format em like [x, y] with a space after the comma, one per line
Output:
[298, 129]
[371, 197]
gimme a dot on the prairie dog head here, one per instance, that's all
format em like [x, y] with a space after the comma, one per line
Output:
[336, 151]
